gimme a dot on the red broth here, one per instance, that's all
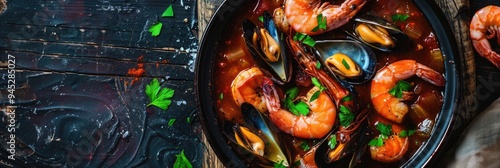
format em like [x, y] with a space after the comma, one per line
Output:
[233, 57]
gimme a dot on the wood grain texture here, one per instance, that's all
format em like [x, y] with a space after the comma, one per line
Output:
[206, 9]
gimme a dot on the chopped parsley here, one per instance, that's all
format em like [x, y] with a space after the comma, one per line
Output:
[171, 122]
[385, 132]
[159, 97]
[332, 142]
[261, 18]
[221, 96]
[376, 142]
[304, 38]
[299, 108]
[318, 65]
[401, 86]
[316, 83]
[305, 146]
[346, 117]
[406, 133]
[321, 23]
[315, 96]
[188, 120]
[346, 65]
[169, 12]
[155, 29]
[279, 165]
[182, 161]
[346, 98]
[399, 17]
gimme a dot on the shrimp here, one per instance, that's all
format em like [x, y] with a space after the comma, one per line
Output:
[386, 78]
[246, 87]
[302, 14]
[316, 124]
[486, 25]
[393, 148]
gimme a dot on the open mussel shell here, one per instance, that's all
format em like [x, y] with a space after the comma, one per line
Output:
[268, 48]
[355, 148]
[360, 54]
[258, 125]
[378, 33]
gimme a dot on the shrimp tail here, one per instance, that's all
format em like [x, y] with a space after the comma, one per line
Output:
[431, 76]
[270, 95]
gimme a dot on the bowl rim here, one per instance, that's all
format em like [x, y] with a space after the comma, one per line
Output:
[205, 98]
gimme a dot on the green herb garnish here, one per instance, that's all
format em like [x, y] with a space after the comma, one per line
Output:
[321, 23]
[302, 108]
[385, 129]
[318, 65]
[376, 142]
[316, 83]
[305, 146]
[304, 38]
[346, 98]
[401, 86]
[406, 133]
[182, 161]
[292, 92]
[400, 17]
[159, 97]
[221, 96]
[188, 120]
[346, 117]
[171, 122]
[315, 96]
[169, 12]
[261, 18]
[279, 165]
[332, 142]
[155, 29]
[346, 65]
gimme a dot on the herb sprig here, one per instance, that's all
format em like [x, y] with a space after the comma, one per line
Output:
[159, 97]
[401, 86]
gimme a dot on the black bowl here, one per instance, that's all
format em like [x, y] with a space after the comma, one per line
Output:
[206, 97]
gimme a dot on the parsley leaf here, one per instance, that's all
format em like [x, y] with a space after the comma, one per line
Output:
[346, 65]
[321, 23]
[279, 165]
[406, 133]
[316, 83]
[302, 108]
[261, 18]
[346, 116]
[315, 96]
[155, 29]
[346, 98]
[159, 97]
[376, 142]
[401, 86]
[182, 161]
[385, 129]
[318, 65]
[399, 17]
[332, 142]
[221, 96]
[304, 38]
[171, 122]
[292, 92]
[169, 12]
[188, 120]
[305, 146]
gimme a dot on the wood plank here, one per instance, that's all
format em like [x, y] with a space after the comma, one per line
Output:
[206, 9]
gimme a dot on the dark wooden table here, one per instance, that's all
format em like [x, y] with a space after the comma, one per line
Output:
[79, 105]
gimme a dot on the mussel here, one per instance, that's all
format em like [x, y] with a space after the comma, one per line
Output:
[348, 59]
[377, 33]
[256, 139]
[268, 48]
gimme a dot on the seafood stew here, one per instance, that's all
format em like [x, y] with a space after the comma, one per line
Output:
[319, 111]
